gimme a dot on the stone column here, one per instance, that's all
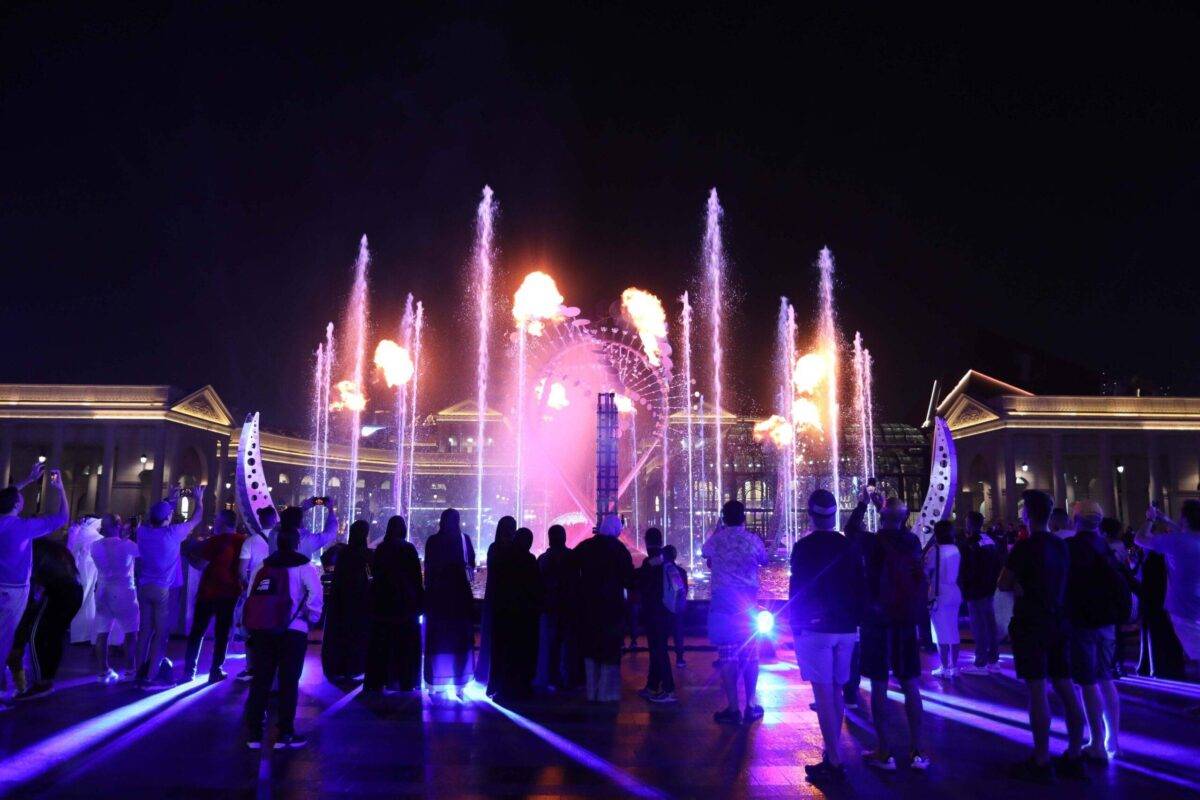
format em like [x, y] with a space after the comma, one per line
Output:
[54, 461]
[6, 443]
[1155, 486]
[1056, 467]
[216, 480]
[1010, 479]
[1108, 498]
[108, 468]
[160, 462]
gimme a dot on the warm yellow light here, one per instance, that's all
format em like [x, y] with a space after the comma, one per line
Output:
[536, 301]
[810, 370]
[806, 414]
[350, 397]
[395, 362]
[775, 429]
[646, 313]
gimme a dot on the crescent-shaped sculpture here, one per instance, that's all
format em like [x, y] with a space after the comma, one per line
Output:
[253, 493]
[943, 482]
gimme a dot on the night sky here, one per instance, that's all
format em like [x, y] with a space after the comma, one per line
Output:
[183, 192]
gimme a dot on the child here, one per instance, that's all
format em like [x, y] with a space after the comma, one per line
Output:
[679, 579]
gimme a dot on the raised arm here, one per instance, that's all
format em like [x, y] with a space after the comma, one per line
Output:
[186, 527]
[35, 475]
[1146, 537]
[328, 534]
[53, 522]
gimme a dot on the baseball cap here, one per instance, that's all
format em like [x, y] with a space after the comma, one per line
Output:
[821, 503]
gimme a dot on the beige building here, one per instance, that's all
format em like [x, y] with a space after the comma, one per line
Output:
[1123, 452]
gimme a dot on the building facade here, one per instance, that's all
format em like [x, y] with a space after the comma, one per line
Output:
[1124, 452]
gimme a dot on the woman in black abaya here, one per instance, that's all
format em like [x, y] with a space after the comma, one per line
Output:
[449, 628]
[348, 622]
[394, 658]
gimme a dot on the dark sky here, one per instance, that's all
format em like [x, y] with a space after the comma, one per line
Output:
[183, 192]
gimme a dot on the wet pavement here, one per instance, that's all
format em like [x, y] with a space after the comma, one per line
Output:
[93, 741]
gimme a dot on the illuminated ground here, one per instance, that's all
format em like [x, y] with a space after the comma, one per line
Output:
[187, 743]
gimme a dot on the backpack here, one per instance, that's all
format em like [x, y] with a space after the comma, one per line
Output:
[268, 609]
[1114, 605]
[903, 587]
[672, 588]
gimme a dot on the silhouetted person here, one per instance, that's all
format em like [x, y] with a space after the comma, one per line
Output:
[557, 650]
[116, 595]
[397, 596]
[1181, 550]
[285, 601]
[897, 596]
[679, 611]
[734, 556]
[55, 597]
[218, 593]
[16, 552]
[516, 604]
[347, 615]
[1036, 571]
[506, 531]
[449, 630]
[606, 572]
[159, 542]
[660, 683]
[982, 559]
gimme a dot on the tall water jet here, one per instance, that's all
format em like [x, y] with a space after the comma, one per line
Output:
[861, 410]
[418, 325]
[828, 346]
[322, 366]
[786, 450]
[869, 405]
[484, 266]
[356, 327]
[687, 381]
[401, 427]
[714, 273]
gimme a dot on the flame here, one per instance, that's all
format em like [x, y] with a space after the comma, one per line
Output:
[536, 301]
[350, 397]
[810, 370]
[624, 404]
[806, 414]
[775, 429]
[646, 313]
[557, 400]
[396, 363]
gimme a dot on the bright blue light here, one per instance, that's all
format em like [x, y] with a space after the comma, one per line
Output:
[765, 623]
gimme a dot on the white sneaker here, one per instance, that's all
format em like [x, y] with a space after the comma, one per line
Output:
[971, 669]
[938, 672]
[918, 761]
[873, 760]
[109, 676]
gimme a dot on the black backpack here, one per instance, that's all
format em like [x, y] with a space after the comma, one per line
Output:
[1113, 605]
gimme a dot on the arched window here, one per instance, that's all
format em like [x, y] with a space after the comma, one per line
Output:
[306, 480]
[335, 482]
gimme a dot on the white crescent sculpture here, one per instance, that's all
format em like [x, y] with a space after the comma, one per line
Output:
[943, 482]
[253, 493]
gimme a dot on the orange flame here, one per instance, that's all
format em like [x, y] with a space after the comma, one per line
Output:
[350, 397]
[536, 301]
[395, 362]
[646, 313]
[775, 429]
[810, 371]
[805, 414]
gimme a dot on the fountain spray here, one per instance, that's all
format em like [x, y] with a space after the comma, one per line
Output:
[828, 344]
[406, 335]
[484, 257]
[714, 265]
[356, 323]
[687, 380]
[418, 324]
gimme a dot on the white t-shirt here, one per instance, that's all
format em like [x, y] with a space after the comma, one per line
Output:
[254, 550]
[114, 558]
[307, 597]
[16, 550]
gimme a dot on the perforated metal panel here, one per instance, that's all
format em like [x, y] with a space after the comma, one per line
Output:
[943, 481]
[253, 492]
[607, 473]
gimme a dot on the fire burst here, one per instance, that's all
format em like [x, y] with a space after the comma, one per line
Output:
[350, 397]
[646, 313]
[395, 362]
[535, 302]
[775, 429]
[809, 372]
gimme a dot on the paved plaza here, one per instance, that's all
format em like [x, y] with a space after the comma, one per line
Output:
[93, 741]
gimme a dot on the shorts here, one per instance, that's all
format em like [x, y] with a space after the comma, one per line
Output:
[1092, 652]
[1040, 654]
[891, 648]
[730, 630]
[825, 657]
[116, 603]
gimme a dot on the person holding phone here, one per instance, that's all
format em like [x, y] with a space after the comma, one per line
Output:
[16, 550]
